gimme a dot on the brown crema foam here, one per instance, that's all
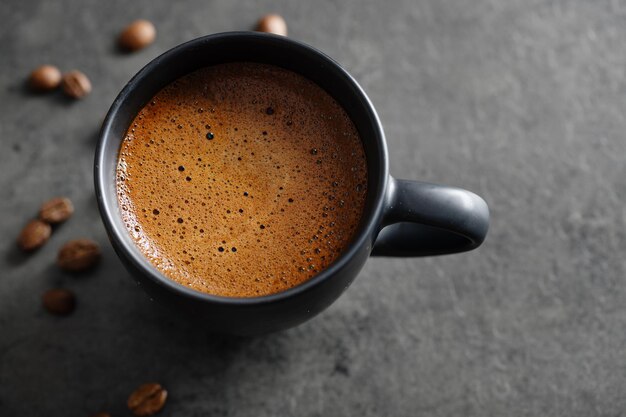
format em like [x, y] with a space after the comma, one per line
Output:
[241, 180]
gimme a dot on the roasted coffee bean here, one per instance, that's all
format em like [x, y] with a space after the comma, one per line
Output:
[272, 23]
[137, 35]
[59, 301]
[56, 210]
[78, 255]
[34, 235]
[147, 399]
[45, 78]
[76, 84]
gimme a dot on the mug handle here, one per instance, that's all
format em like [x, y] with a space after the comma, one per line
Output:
[422, 219]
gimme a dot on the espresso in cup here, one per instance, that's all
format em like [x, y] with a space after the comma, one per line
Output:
[241, 180]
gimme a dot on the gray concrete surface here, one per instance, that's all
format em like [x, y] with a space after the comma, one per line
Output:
[522, 101]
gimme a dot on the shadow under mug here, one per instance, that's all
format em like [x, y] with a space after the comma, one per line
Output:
[400, 218]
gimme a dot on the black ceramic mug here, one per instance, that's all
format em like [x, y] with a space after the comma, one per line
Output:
[400, 218]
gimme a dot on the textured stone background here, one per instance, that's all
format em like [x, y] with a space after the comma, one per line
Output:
[521, 101]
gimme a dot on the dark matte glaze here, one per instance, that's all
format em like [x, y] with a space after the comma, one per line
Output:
[425, 219]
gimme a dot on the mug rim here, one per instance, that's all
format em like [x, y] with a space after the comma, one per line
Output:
[108, 211]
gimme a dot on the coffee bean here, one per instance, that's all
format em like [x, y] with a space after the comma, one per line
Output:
[59, 301]
[272, 23]
[78, 255]
[45, 78]
[34, 235]
[147, 399]
[101, 415]
[137, 35]
[76, 84]
[56, 210]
